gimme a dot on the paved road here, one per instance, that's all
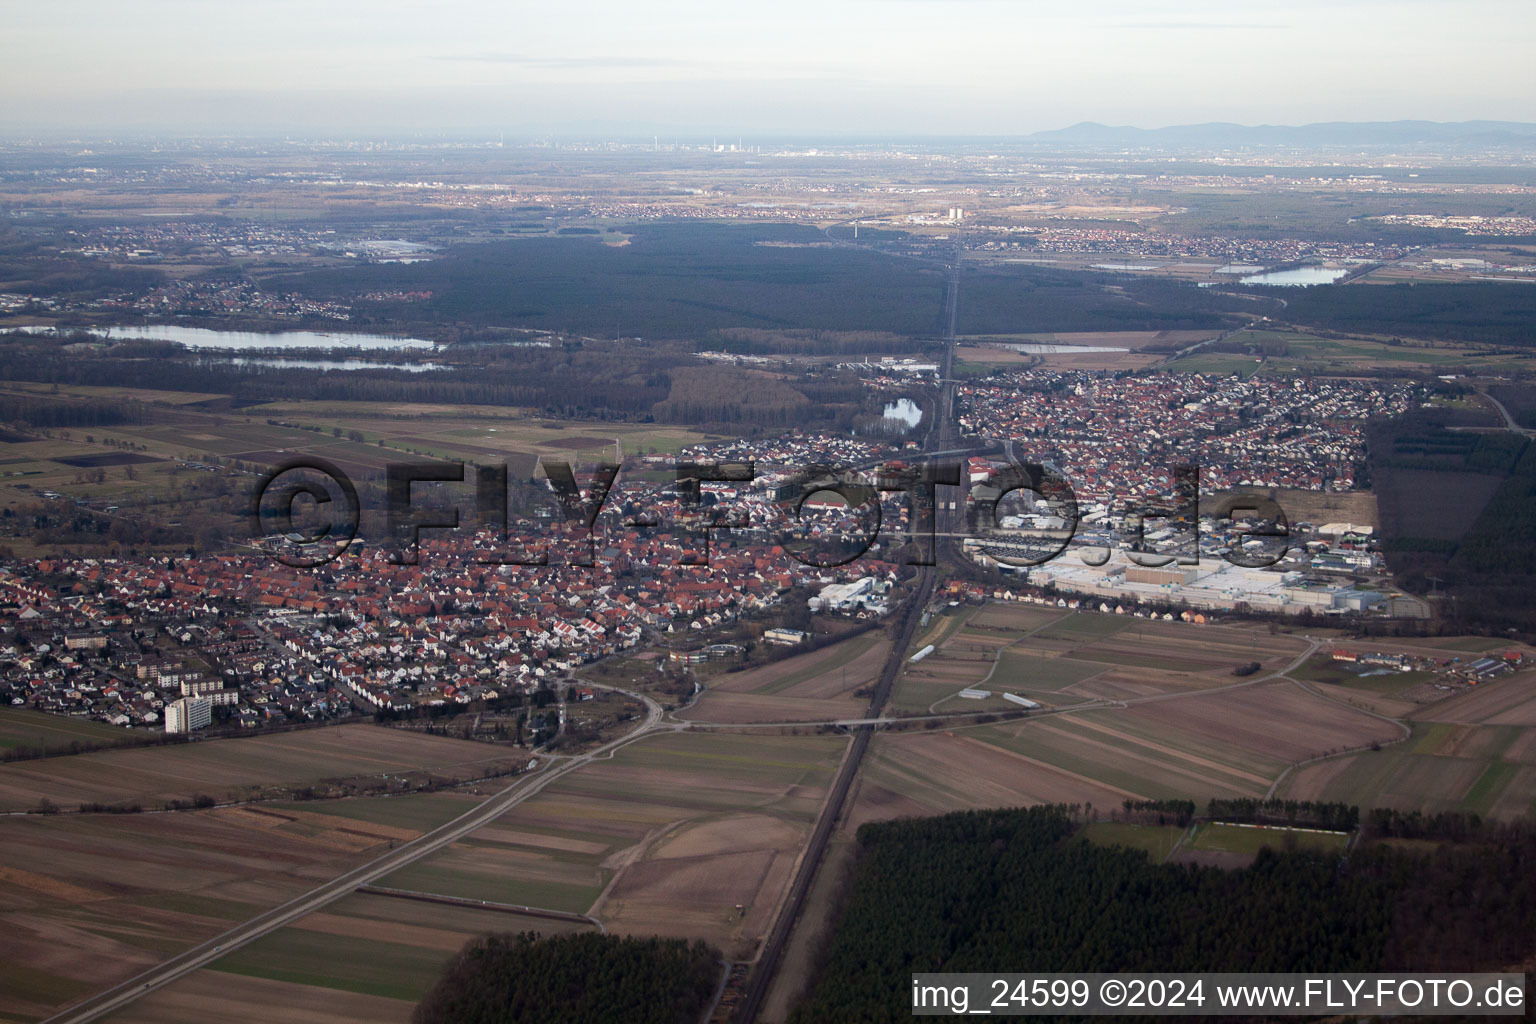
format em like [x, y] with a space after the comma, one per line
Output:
[1509, 421]
[202, 955]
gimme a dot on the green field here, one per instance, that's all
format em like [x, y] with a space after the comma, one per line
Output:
[1441, 767]
[368, 966]
[420, 811]
[1241, 839]
[846, 652]
[25, 729]
[1018, 670]
[1086, 626]
[573, 897]
[1161, 765]
[1157, 840]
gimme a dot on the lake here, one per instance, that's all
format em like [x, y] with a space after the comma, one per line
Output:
[1300, 277]
[235, 341]
[906, 410]
[331, 364]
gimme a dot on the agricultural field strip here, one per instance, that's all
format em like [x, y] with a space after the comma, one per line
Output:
[997, 657]
[206, 953]
[1309, 688]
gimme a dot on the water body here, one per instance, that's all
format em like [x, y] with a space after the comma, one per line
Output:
[332, 364]
[236, 341]
[906, 410]
[1300, 277]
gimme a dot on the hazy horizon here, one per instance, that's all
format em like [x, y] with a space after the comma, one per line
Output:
[860, 67]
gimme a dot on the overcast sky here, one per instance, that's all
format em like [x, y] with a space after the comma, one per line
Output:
[867, 66]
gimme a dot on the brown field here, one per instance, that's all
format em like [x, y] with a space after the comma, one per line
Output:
[1276, 720]
[1488, 770]
[812, 687]
[752, 708]
[239, 768]
[87, 900]
[922, 773]
[1195, 745]
[668, 836]
[1012, 617]
[818, 674]
[1316, 507]
[1507, 701]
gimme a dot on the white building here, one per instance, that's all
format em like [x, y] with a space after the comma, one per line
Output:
[188, 713]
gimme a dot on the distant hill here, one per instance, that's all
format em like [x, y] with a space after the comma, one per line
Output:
[1225, 135]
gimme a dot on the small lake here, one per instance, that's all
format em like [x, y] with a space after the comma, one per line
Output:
[235, 341]
[906, 410]
[331, 364]
[1300, 277]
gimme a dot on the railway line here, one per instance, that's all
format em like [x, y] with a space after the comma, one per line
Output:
[940, 438]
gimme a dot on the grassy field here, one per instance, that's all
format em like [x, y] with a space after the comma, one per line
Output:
[1157, 840]
[374, 945]
[25, 729]
[240, 768]
[370, 966]
[1308, 353]
[1251, 839]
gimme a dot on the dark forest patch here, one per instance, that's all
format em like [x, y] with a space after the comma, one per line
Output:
[106, 459]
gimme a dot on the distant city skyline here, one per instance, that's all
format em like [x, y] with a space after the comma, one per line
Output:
[858, 67]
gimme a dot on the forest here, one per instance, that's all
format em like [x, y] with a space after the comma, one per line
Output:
[1493, 313]
[1031, 298]
[584, 978]
[1013, 890]
[673, 280]
[1458, 516]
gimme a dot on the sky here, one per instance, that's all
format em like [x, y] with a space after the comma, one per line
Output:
[913, 67]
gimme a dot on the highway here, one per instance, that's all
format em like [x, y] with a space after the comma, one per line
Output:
[199, 956]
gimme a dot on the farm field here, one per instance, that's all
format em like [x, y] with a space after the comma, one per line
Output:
[86, 900]
[1488, 770]
[672, 833]
[240, 768]
[808, 687]
[224, 996]
[25, 729]
[811, 687]
[1510, 700]
[914, 774]
[1308, 353]
[1197, 745]
[1061, 658]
